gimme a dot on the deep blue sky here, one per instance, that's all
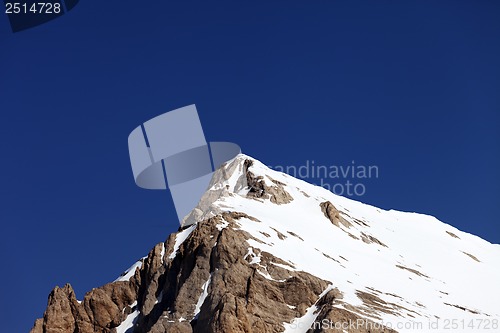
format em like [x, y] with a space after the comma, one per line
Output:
[411, 87]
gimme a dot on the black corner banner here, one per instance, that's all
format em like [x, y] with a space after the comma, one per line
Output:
[28, 14]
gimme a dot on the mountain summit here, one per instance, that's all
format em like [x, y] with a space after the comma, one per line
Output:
[271, 253]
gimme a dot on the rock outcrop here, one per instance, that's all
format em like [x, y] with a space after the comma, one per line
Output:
[333, 214]
[259, 189]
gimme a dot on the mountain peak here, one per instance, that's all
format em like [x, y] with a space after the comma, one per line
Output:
[234, 178]
[265, 252]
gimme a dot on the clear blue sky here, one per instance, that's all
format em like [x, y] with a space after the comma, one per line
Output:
[412, 87]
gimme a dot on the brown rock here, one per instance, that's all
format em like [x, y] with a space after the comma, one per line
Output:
[38, 327]
[333, 214]
[58, 317]
[240, 296]
[259, 189]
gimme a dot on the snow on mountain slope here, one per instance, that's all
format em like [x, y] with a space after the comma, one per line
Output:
[265, 252]
[394, 267]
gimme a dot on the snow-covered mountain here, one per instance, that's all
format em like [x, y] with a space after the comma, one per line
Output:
[271, 253]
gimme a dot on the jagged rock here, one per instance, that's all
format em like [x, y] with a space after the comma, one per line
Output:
[59, 317]
[38, 326]
[259, 189]
[100, 311]
[333, 214]
[240, 298]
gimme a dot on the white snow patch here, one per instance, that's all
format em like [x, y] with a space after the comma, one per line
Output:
[265, 274]
[303, 323]
[287, 267]
[128, 323]
[255, 259]
[180, 238]
[202, 297]
[222, 225]
[162, 254]
[130, 272]
[132, 306]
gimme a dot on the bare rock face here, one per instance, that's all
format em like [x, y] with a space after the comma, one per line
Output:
[220, 187]
[212, 284]
[59, 315]
[333, 214]
[38, 326]
[259, 189]
[100, 311]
